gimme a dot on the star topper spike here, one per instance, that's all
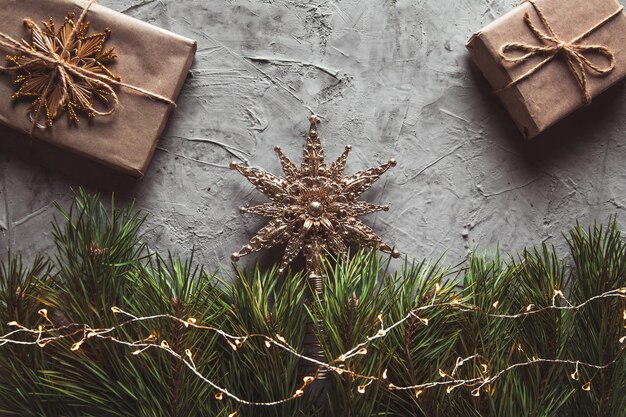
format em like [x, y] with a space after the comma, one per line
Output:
[314, 208]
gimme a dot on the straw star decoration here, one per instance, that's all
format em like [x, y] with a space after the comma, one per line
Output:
[314, 208]
[57, 81]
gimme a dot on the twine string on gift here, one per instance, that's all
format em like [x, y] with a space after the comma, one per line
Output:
[65, 69]
[573, 51]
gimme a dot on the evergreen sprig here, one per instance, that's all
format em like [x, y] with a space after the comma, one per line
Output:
[100, 262]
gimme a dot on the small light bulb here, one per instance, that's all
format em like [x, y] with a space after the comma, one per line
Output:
[282, 339]
[268, 344]
[442, 373]
[233, 414]
[530, 307]
[362, 351]
[476, 392]
[308, 379]
[385, 374]
[418, 392]
[115, 310]
[299, 393]
[136, 352]
[587, 386]
[192, 320]
[76, 345]
[219, 396]
[574, 375]
[496, 304]
[164, 344]
[361, 389]
[424, 321]
[459, 362]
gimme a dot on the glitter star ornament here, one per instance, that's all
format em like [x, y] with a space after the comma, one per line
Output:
[313, 209]
[59, 88]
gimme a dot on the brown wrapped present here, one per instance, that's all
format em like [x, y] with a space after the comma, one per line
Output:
[89, 79]
[547, 58]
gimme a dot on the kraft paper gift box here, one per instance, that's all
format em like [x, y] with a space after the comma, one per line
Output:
[151, 64]
[547, 58]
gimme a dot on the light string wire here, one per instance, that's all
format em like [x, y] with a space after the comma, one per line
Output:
[44, 335]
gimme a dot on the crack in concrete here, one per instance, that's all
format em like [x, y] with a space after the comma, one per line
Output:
[615, 204]
[434, 162]
[32, 215]
[137, 6]
[452, 114]
[496, 193]
[289, 62]
[407, 103]
[340, 51]
[261, 125]
[193, 159]
[232, 150]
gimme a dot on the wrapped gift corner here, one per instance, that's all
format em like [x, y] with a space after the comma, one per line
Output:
[538, 94]
[152, 65]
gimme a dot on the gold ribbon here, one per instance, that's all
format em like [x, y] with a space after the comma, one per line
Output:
[65, 69]
[573, 51]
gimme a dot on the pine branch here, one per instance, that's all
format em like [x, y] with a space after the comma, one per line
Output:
[515, 318]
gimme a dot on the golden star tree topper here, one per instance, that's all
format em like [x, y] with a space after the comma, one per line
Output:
[314, 208]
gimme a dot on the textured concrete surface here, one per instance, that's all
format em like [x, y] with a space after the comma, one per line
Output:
[392, 78]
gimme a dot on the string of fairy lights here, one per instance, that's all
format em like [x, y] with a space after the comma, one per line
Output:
[48, 333]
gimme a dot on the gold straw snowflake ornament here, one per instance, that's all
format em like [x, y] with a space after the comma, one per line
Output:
[65, 70]
[314, 208]
[58, 84]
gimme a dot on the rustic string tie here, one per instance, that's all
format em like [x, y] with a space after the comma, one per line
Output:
[68, 72]
[574, 53]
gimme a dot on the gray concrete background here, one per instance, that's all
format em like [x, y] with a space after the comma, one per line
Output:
[392, 78]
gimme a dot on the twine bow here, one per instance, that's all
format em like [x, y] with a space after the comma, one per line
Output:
[573, 51]
[68, 73]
